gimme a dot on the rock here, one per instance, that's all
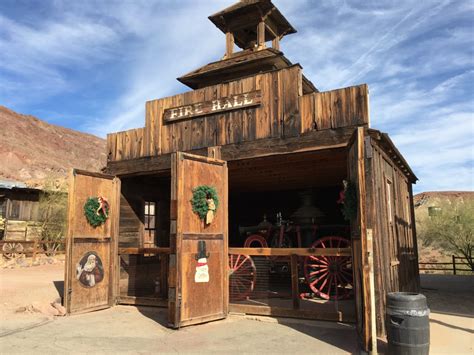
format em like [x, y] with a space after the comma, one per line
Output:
[61, 310]
[45, 309]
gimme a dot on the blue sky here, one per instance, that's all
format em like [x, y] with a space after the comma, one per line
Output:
[91, 65]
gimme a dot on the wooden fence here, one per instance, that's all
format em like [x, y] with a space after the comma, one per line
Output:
[455, 265]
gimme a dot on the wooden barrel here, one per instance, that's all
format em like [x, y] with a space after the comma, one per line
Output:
[408, 327]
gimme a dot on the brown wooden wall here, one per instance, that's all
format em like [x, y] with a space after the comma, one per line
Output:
[335, 109]
[284, 112]
[390, 215]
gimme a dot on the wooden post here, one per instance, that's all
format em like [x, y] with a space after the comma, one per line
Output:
[214, 152]
[229, 44]
[370, 257]
[261, 35]
[454, 265]
[276, 43]
[294, 281]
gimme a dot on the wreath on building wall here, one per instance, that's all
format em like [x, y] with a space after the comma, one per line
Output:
[96, 210]
[348, 200]
[205, 202]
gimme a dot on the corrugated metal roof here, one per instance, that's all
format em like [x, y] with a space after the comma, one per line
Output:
[10, 184]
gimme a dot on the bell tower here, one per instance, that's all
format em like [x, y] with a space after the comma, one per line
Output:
[249, 24]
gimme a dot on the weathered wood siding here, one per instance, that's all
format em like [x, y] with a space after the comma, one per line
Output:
[284, 112]
[391, 219]
[126, 145]
[335, 109]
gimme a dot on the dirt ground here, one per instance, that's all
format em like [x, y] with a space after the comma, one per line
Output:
[125, 329]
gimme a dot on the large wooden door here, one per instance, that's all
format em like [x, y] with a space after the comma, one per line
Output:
[198, 285]
[360, 260]
[91, 252]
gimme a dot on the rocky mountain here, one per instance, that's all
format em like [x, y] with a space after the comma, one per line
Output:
[33, 151]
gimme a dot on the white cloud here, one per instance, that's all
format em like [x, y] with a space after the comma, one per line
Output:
[417, 58]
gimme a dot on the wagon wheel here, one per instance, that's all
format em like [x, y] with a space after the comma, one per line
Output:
[242, 276]
[329, 277]
[12, 250]
[255, 241]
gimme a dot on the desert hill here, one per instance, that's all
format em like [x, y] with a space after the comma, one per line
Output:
[32, 150]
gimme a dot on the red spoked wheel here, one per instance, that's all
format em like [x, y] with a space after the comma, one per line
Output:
[329, 277]
[242, 277]
[255, 241]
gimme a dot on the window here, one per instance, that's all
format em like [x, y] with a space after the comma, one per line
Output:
[14, 209]
[150, 224]
[3, 206]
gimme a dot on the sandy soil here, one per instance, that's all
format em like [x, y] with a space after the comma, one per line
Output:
[21, 287]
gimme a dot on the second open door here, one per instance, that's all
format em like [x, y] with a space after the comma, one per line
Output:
[198, 284]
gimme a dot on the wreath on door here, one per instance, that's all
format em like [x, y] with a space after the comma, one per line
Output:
[96, 210]
[205, 202]
[348, 200]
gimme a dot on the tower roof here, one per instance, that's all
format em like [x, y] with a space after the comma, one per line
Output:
[242, 18]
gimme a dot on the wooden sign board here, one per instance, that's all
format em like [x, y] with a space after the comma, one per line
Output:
[234, 102]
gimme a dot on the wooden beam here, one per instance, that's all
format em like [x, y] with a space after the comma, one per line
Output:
[292, 251]
[310, 141]
[336, 316]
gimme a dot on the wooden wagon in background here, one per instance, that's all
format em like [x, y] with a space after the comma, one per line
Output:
[258, 132]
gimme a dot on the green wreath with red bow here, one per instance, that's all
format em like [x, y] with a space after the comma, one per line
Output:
[96, 211]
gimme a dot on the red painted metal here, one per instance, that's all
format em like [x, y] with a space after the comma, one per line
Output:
[255, 241]
[329, 277]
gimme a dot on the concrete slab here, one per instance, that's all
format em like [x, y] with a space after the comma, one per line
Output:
[126, 329]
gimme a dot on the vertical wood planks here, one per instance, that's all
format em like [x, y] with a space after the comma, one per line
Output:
[335, 109]
[284, 112]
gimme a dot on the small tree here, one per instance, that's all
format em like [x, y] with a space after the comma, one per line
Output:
[452, 229]
[53, 211]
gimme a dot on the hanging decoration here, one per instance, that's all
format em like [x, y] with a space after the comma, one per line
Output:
[205, 202]
[96, 210]
[348, 200]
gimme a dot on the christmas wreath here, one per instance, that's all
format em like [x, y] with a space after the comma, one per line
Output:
[205, 202]
[96, 210]
[348, 200]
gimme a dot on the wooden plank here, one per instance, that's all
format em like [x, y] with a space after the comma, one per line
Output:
[141, 251]
[291, 124]
[336, 316]
[291, 251]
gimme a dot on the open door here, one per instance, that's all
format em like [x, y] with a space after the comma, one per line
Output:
[360, 265]
[198, 285]
[91, 252]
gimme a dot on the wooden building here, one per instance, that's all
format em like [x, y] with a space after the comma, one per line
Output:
[19, 210]
[275, 152]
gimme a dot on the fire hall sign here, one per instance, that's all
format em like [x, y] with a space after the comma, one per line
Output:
[234, 102]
